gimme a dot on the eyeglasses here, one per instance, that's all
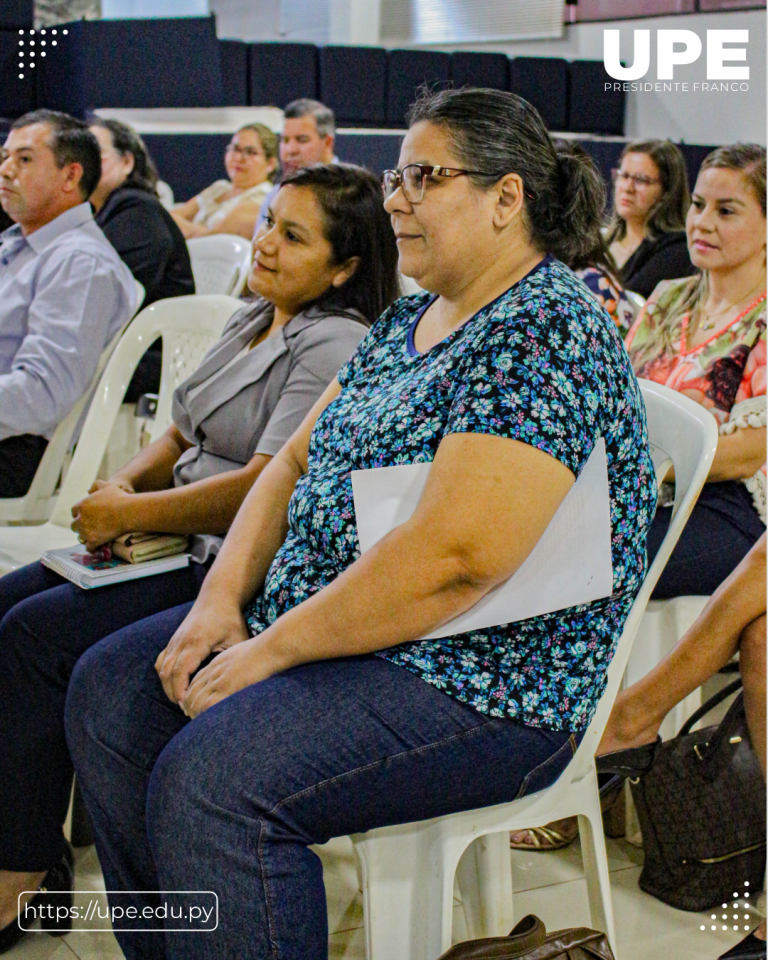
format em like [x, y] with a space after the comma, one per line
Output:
[248, 152]
[413, 179]
[639, 180]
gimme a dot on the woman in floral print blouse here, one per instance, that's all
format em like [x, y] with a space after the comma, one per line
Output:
[705, 336]
[326, 713]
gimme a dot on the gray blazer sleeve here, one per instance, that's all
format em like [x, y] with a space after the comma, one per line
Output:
[317, 355]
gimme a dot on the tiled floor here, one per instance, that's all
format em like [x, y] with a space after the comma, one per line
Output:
[551, 885]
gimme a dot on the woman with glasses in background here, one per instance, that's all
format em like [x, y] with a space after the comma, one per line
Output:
[651, 198]
[705, 336]
[302, 697]
[232, 206]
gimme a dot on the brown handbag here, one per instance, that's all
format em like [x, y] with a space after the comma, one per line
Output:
[530, 941]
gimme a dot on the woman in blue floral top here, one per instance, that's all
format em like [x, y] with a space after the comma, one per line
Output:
[296, 700]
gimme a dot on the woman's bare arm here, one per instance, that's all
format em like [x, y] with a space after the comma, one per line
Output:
[739, 454]
[186, 211]
[206, 506]
[487, 502]
[259, 529]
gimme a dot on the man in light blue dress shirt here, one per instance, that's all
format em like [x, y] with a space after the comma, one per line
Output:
[64, 291]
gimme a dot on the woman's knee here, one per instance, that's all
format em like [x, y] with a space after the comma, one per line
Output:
[90, 697]
[186, 784]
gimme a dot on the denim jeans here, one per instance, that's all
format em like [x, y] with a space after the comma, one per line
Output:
[46, 623]
[231, 801]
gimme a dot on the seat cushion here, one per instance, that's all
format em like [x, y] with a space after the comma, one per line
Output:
[592, 108]
[282, 72]
[543, 82]
[234, 72]
[16, 96]
[173, 62]
[407, 70]
[480, 70]
[353, 83]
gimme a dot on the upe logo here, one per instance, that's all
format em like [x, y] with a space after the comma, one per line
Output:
[677, 48]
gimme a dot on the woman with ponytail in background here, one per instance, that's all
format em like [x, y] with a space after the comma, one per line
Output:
[594, 264]
[298, 700]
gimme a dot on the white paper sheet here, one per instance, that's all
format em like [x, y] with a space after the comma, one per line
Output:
[570, 565]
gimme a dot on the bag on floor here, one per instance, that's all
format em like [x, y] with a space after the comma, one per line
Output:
[530, 941]
[701, 809]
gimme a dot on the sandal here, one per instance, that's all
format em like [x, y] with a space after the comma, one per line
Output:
[548, 837]
[551, 837]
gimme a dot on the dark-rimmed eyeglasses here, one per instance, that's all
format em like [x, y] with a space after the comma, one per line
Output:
[249, 152]
[413, 179]
[639, 179]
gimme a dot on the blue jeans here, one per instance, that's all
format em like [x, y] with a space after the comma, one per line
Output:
[46, 623]
[231, 801]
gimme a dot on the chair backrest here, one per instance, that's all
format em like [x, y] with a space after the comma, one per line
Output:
[684, 435]
[189, 326]
[636, 301]
[220, 263]
[38, 501]
[140, 294]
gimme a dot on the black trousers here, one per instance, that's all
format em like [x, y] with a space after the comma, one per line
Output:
[19, 458]
[721, 530]
[46, 624]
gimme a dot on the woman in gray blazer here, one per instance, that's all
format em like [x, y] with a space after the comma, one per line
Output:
[325, 266]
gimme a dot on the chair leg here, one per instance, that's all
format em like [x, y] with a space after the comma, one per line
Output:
[596, 872]
[484, 875]
[81, 830]
[407, 895]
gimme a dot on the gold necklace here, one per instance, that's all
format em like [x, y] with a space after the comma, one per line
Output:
[710, 323]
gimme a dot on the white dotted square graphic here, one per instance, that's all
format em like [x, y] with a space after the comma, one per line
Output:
[734, 906]
[27, 48]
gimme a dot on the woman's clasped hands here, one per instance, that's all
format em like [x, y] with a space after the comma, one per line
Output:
[99, 517]
[211, 627]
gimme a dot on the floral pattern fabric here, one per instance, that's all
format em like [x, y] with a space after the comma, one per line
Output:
[610, 296]
[726, 373]
[542, 364]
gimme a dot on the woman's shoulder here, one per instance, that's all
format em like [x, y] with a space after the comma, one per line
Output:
[671, 238]
[317, 329]
[258, 193]
[216, 189]
[669, 293]
[123, 199]
[550, 283]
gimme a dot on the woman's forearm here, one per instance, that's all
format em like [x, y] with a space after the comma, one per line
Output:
[739, 454]
[255, 536]
[401, 589]
[206, 506]
[152, 467]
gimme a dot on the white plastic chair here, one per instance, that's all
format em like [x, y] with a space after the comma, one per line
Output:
[220, 263]
[38, 502]
[189, 326]
[407, 871]
[636, 300]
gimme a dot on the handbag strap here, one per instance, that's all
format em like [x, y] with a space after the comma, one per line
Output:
[709, 705]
